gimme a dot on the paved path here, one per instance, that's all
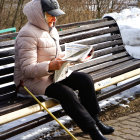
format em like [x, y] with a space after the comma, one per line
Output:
[126, 128]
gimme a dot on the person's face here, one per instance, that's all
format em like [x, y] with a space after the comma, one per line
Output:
[50, 19]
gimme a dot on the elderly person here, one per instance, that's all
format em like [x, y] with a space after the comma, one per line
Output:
[38, 55]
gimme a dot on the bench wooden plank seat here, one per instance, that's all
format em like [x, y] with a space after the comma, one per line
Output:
[110, 61]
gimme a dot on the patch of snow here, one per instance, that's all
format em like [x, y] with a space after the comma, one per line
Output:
[43, 130]
[123, 105]
[128, 21]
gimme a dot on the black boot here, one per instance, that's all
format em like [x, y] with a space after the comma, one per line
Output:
[96, 134]
[103, 128]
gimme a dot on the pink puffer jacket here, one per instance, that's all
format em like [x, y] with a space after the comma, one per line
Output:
[35, 47]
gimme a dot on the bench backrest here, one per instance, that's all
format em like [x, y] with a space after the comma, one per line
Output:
[103, 34]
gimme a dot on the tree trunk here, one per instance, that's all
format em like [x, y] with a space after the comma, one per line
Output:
[16, 13]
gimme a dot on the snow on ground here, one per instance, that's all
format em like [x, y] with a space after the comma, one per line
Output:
[128, 21]
[129, 24]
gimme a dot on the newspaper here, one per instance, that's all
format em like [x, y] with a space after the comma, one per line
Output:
[73, 53]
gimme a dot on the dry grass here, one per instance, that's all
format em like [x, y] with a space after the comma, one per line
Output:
[119, 111]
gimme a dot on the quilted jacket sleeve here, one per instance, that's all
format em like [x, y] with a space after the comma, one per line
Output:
[27, 57]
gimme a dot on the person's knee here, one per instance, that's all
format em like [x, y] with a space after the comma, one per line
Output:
[67, 93]
[54, 90]
[60, 92]
[86, 78]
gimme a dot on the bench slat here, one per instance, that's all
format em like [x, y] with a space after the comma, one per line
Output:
[116, 70]
[7, 90]
[109, 51]
[6, 53]
[87, 27]
[30, 124]
[13, 29]
[7, 97]
[107, 44]
[84, 35]
[10, 35]
[6, 70]
[117, 79]
[118, 89]
[7, 60]
[9, 108]
[26, 111]
[5, 44]
[19, 103]
[101, 39]
[81, 23]
[14, 101]
[6, 79]
[120, 65]
[93, 41]
[94, 62]
[105, 65]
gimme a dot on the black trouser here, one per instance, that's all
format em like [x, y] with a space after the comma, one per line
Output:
[82, 109]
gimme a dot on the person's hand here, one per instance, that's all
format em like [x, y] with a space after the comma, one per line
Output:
[56, 64]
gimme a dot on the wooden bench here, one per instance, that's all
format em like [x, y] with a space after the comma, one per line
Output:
[111, 63]
[13, 30]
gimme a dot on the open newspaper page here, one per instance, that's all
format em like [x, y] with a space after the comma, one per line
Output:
[73, 53]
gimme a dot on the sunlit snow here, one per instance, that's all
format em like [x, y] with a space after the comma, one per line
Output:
[128, 21]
